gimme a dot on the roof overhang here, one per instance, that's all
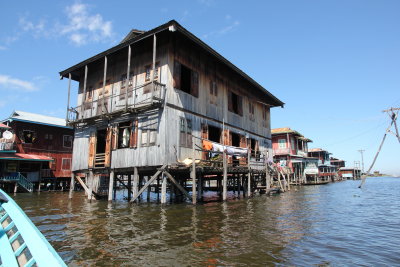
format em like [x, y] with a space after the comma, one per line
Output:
[169, 26]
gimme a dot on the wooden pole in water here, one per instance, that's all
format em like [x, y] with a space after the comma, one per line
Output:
[90, 182]
[71, 185]
[129, 186]
[111, 186]
[135, 182]
[193, 173]
[164, 189]
[248, 174]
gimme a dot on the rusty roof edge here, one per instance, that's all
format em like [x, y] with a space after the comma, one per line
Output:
[64, 73]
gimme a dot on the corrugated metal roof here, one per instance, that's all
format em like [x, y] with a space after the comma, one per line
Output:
[285, 130]
[37, 118]
[22, 156]
[3, 126]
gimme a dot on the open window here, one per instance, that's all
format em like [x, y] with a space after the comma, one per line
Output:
[149, 71]
[28, 137]
[214, 134]
[124, 134]
[255, 150]
[186, 79]
[251, 110]
[235, 103]
[235, 139]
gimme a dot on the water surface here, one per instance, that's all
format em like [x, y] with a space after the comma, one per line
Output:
[329, 225]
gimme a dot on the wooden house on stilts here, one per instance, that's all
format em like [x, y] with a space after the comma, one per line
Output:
[161, 98]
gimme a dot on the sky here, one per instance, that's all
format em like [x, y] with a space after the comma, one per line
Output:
[335, 63]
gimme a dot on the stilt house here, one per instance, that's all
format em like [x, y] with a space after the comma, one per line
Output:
[152, 100]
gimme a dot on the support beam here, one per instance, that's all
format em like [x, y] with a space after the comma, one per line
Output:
[172, 179]
[84, 91]
[71, 185]
[111, 186]
[90, 182]
[135, 186]
[69, 96]
[83, 185]
[164, 190]
[149, 182]
[248, 173]
[104, 84]
[193, 173]
[128, 71]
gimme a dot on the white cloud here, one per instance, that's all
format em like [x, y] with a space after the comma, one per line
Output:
[232, 25]
[9, 82]
[3, 47]
[36, 29]
[83, 27]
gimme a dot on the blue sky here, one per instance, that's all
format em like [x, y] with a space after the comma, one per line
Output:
[336, 64]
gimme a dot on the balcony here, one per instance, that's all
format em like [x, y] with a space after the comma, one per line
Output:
[7, 147]
[282, 151]
[144, 97]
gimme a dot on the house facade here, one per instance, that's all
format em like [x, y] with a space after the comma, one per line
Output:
[290, 151]
[35, 149]
[153, 99]
[327, 171]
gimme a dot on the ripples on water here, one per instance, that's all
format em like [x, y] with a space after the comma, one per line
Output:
[326, 225]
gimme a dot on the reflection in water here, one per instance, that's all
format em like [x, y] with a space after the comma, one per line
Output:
[316, 225]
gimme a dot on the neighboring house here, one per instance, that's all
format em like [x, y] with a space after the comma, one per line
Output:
[338, 162]
[350, 173]
[290, 150]
[35, 149]
[327, 171]
[151, 99]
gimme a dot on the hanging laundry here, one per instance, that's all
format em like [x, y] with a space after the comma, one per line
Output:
[207, 145]
[238, 151]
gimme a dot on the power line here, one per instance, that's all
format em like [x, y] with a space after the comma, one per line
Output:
[362, 159]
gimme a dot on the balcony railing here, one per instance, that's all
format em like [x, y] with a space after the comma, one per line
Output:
[7, 146]
[137, 98]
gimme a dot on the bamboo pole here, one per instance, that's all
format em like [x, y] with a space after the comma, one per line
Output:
[193, 173]
[71, 185]
[164, 190]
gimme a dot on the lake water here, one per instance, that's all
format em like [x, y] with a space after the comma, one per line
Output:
[327, 225]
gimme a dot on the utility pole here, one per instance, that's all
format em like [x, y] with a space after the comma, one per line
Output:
[362, 159]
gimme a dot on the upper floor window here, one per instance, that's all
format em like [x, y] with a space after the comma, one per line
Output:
[67, 141]
[186, 79]
[281, 143]
[48, 136]
[292, 144]
[66, 164]
[106, 88]
[185, 126]
[124, 134]
[28, 137]
[149, 132]
[235, 103]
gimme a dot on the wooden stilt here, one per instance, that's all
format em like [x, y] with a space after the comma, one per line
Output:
[164, 190]
[111, 186]
[90, 182]
[193, 173]
[15, 187]
[129, 186]
[135, 186]
[267, 179]
[172, 179]
[148, 191]
[280, 182]
[71, 185]
[225, 177]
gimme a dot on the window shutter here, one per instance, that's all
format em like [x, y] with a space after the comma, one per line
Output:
[92, 149]
[204, 131]
[177, 75]
[240, 105]
[195, 83]
[134, 134]
[107, 161]
[114, 138]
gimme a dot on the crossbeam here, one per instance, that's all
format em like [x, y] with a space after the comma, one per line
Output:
[172, 179]
[149, 182]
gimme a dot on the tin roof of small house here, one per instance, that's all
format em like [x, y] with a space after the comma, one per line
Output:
[3, 126]
[318, 150]
[285, 130]
[173, 26]
[26, 157]
[24, 116]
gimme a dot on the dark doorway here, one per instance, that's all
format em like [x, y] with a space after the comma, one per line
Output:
[101, 141]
